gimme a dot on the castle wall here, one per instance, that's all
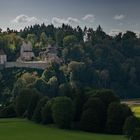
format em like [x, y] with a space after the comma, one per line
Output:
[31, 64]
[3, 59]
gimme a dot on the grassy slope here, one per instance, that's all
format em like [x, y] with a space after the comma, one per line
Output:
[136, 110]
[134, 104]
[17, 129]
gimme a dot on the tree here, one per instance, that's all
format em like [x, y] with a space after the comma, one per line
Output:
[91, 119]
[59, 37]
[65, 89]
[77, 74]
[69, 41]
[8, 111]
[46, 113]
[63, 112]
[22, 101]
[117, 115]
[107, 96]
[37, 117]
[79, 100]
[43, 39]
[35, 97]
[130, 125]
[136, 134]
[52, 86]
[32, 38]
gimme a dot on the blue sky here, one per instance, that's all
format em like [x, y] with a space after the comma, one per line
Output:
[112, 15]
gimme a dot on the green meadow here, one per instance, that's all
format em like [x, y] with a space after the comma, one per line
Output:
[20, 129]
[136, 110]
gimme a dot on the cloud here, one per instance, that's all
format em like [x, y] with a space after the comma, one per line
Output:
[119, 17]
[24, 19]
[89, 18]
[69, 20]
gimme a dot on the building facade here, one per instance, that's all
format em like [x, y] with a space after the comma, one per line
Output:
[26, 52]
[3, 57]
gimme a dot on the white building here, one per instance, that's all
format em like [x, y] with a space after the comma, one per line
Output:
[3, 57]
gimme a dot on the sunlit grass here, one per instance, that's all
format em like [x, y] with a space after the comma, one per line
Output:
[136, 110]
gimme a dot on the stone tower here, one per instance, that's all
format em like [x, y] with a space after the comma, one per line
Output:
[3, 57]
[26, 53]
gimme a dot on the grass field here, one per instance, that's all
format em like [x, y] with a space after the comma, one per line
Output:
[18, 129]
[136, 110]
[134, 105]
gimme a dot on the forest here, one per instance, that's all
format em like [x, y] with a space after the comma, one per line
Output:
[81, 92]
[100, 61]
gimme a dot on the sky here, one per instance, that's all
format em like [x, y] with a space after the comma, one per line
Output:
[113, 15]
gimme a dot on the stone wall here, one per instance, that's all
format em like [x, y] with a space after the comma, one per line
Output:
[31, 64]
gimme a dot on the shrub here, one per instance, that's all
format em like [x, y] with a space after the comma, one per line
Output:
[37, 113]
[91, 119]
[130, 125]
[35, 97]
[136, 134]
[8, 112]
[117, 114]
[79, 101]
[107, 96]
[46, 113]
[63, 112]
[22, 101]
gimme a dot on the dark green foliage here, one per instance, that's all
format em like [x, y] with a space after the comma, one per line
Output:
[63, 110]
[41, 86]
[91, 119]
[69, 41]
[66, 90]
[35, 97]
[8, 112]
[101, 62]
[130, 125]
[46, 113]
[79, 100]
[22, 101]
[108, 61]
[136, 134]
[107, 96]
[37, 117]
[117, 115]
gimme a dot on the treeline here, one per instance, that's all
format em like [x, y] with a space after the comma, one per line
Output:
[102, 61]
[93, 111]
[74, 94]
[97, 111]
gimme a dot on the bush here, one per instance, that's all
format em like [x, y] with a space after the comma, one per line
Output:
[107, 96]
[8, 112]
[79, 101]
[117, 114]
[130, 125]
[22, 101]
[136, 134]
[35, 97]
[46, 113]
[37, 113]
[63, 112]
[91, 119]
